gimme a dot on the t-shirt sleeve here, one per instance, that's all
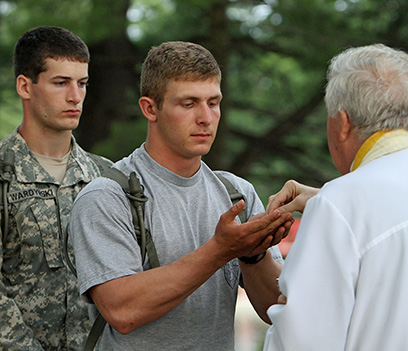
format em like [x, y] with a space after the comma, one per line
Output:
[102, 235]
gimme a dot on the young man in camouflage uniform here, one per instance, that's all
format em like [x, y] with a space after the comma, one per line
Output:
[40, 307]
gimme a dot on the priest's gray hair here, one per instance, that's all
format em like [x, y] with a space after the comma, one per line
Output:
[370, 84]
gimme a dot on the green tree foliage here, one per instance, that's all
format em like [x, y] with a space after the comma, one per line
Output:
[273, 54]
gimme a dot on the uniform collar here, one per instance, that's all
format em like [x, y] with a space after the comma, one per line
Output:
[29, 170]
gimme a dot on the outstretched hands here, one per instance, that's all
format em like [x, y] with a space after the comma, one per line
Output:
[292, 197]
[253, 237]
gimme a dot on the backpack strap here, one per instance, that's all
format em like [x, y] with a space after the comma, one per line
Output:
[5, 179]
[235, 196]
[102, 163]
[95, 332]
[134, 191]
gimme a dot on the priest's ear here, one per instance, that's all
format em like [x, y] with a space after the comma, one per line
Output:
[346, 126]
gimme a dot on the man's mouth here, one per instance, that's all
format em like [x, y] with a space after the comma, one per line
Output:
[73, 112]
[203, 136]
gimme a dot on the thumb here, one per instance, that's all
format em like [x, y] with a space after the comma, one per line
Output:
[234, 211]
[273, 204]
[282, 299]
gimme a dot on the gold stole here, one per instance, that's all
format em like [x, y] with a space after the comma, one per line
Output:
[379, 144]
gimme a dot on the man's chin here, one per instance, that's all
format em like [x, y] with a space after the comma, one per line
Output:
[203, 150]
[72, 124]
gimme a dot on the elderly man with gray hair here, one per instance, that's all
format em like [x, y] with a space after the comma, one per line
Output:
[344, 284]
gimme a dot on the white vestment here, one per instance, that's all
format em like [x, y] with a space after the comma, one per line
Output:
[346, 276]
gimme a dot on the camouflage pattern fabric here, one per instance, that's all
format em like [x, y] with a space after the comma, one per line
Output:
[40, 307]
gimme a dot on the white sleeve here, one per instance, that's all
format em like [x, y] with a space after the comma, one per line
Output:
[318, 279]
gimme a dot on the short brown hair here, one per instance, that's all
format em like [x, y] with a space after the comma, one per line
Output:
[176, 60]
[44, 42]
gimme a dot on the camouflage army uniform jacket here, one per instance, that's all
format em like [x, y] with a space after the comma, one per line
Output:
[40, 307]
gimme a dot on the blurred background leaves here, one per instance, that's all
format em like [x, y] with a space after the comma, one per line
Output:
[273, 54]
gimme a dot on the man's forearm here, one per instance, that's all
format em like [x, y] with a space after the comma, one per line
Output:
[130, 302]
[260, 283]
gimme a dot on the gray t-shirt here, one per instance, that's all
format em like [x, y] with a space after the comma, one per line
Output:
[181, 214]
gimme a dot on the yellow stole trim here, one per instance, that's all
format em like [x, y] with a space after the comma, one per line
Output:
[379, 144]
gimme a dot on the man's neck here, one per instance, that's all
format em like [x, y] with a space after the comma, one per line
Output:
[46, 142]
[184, 167]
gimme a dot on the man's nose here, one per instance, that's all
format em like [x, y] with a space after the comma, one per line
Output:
[75, 94]
[205, 114]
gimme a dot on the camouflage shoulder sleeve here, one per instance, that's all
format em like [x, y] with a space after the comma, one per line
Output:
[15, 335]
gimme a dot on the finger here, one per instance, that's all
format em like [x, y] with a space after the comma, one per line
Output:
[283, 196]
[271, 204]
[261, 247]
[266, 243]
[290, 207]
[282, 299]
[257, 216]
[274, 222]
[275, 201]
[283, 231]
[287, 230]
[234, 211]
[279, 221]
[264, 224]
[270, 234]
[297, 205]
[278, 236]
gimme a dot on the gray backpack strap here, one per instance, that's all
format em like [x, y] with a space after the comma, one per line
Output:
[5, 179]
[101, 162]
[134, 191]
[235, 196]
[95, 333]
[138, 199]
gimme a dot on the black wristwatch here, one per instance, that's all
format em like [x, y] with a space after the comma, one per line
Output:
[253, 259]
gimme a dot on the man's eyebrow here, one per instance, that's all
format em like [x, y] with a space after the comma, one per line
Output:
[68, 77]
[193, 97]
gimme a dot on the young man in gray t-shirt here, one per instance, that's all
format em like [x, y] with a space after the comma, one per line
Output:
[187, 303]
